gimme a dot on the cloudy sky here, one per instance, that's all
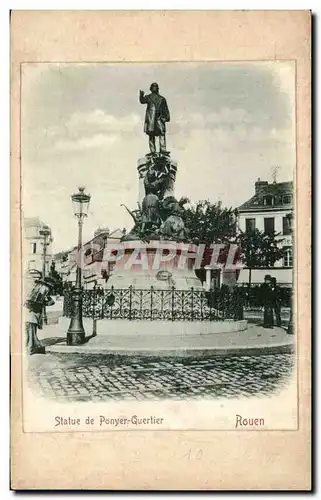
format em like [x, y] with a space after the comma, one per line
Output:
[82, 124]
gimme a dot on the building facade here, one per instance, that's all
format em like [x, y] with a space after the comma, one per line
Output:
[33, 248]
[94, 270]
[65, 263]
[270, 210]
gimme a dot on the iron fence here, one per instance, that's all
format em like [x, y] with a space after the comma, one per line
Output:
[151, 304]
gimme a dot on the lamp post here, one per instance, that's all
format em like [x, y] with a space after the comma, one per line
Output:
[76, 332]
[44, 232]
[290, 325]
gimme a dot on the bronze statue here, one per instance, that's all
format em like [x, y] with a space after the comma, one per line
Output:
[173, 214]
[134, 233]
[160, 215]
[157, 114]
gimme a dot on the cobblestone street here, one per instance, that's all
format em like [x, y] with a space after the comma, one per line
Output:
[97, 378]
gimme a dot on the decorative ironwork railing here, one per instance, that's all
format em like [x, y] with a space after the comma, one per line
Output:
[151, 304]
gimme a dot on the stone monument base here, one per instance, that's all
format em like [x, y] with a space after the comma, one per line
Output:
[141, 328]
[160, 264]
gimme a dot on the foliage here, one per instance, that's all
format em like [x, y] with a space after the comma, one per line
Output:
[211, 223]
[259, 249]
[208, 222]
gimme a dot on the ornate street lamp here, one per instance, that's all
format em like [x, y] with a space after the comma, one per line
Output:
[45, 233]
[289, 216]
[76, 332]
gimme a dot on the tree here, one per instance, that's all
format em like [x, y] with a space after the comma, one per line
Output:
[208, 222]
[259, 249]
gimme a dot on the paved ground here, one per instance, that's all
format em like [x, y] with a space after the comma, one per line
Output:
[76, 377]
[97, 378]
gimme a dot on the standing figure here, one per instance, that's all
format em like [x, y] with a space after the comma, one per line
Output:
[267, 298]
[276, 301]
[157, 114]
[173, 212]
[238, 298]
[37, 299]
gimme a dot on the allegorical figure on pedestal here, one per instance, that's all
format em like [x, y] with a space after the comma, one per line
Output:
[157, 114]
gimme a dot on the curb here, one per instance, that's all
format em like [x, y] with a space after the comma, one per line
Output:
[178, 352]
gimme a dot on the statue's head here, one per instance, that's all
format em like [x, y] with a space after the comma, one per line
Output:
[154, 88]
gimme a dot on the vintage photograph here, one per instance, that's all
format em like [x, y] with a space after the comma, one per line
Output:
[157, 212]
[160, 335]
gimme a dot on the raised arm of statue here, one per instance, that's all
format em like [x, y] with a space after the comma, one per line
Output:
[142, 98]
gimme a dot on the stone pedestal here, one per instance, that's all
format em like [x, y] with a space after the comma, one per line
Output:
[143, 265]
[161, 264]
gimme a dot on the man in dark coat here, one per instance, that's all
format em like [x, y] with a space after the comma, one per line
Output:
[276, 301]
[267, 299]
[157, 114]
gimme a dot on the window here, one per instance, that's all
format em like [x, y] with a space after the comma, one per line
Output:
[268, 200]
[269, 225]
[286, 199]
[288, 258]
[249, 225]
[34, 247]
[286, 226]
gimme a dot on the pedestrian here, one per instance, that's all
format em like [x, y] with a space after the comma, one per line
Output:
[238, 299]
[267, 299]
[38, 298]
[276, 301]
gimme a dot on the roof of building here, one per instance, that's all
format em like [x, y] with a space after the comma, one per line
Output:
[264, 189]
[98, 240]
[63, 253]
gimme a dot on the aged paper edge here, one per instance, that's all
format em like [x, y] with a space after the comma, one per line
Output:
[270, 460]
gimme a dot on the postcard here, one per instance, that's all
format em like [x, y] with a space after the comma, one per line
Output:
[160, 290]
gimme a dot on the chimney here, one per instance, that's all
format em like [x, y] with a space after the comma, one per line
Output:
[260, 185]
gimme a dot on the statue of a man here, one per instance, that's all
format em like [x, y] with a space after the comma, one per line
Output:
[157, 114]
